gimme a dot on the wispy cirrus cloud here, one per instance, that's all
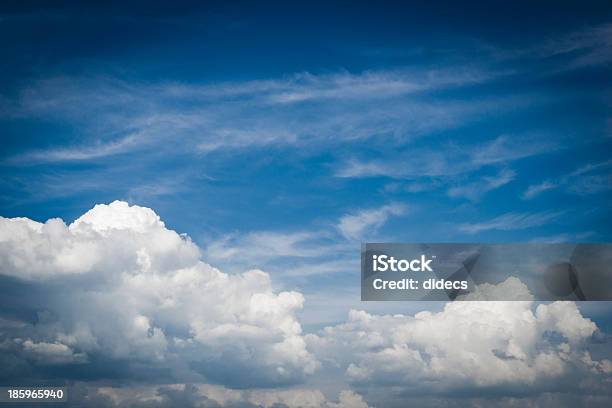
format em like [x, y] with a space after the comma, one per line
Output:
[262, 246]
[592, 178]
[303, 252]
[450, 160]
[235, 115]
[511, 221]
[474, 190]
[586, 47]
[377, 84]
[422, 163]
[535, 189]
[295, 254]
[96, 150]
[355, 226]
[565, 237]
[506, 148]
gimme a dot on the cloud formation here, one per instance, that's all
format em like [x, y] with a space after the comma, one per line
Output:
[133, 116]
[449, 161]
[592, 178]
[120, 285]
[117, 288]
[366, 222]
[468, 348]
[511, 221]
[474, 190]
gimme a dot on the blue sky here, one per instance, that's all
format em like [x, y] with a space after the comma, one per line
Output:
[281, 136]
[279, 122]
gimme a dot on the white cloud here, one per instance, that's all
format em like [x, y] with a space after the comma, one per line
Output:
[259, 246]
[343, 263]
[448, 161]
[587, 47]
[83, 153]
[591, 178]
[119, 284]
[591, 184]
[102, 241]
[565, 237]
[465, 348]
[507, 148]
[422, 163]
[473, 191]
[140, 294]
[512, 289]
[564, 318]
[292, 257]
[366, 222]
[373, 84]
[511, 221]
[536, 189]
[133, 116]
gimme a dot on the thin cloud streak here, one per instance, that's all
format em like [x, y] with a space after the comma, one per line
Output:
[356, 226]
[475, 190]
[450, 161]
[507, 148]
[536, 189]
[512, 221]
[98, 150]
[592, 178]
[588, 47]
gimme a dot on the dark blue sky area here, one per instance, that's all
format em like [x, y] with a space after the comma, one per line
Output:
[212, 41]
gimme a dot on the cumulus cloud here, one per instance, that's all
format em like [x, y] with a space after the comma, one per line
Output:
[510, 289]
[116, 288]
[119, 285]
[466, 348]
[104, 241]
